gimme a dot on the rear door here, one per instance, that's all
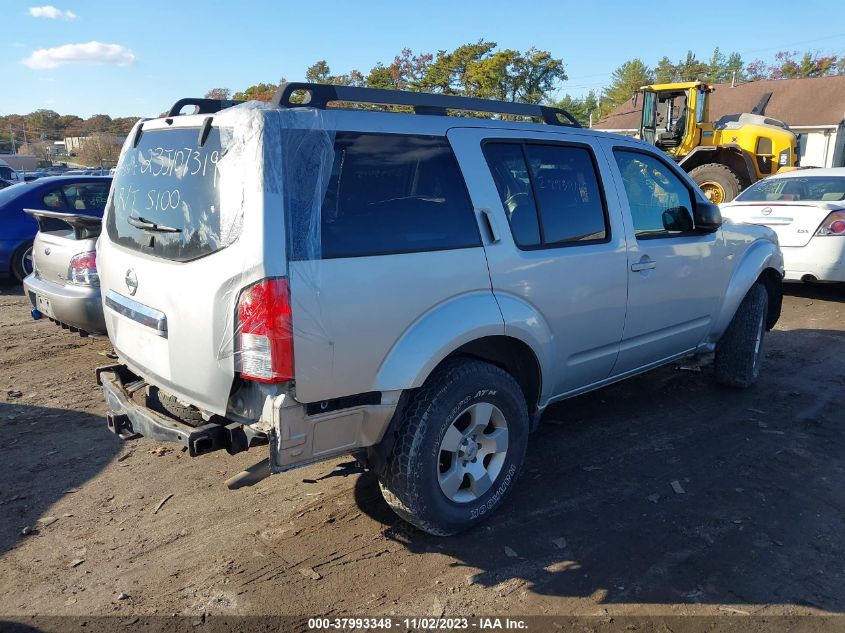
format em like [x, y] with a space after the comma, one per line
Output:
[559, 244]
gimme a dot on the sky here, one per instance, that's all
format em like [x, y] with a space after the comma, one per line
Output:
[128, 58]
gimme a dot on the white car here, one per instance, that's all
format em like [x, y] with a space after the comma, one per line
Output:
[806, 208]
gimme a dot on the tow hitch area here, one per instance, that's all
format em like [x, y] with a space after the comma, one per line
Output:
[129, 420]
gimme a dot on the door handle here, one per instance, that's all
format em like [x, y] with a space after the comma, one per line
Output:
[491, 224]
[645, 263]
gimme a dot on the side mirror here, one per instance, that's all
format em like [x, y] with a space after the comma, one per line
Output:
[707, 217]
[677, 219]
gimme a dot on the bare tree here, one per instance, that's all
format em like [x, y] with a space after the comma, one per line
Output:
[41, 149]
[99, 150]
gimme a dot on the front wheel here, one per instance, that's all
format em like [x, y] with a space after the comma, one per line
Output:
[740, 348]
[458, 449]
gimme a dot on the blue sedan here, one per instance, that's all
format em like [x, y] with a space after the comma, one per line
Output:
[73, 194]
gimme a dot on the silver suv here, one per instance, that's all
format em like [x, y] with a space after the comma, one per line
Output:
[410, 287]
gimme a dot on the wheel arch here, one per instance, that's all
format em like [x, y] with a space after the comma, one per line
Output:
[732, 156]
[772, 281]
[506, 352]
[434, 336]
[513, 356]
[762, 261]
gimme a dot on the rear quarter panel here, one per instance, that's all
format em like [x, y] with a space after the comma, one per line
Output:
[383, 323]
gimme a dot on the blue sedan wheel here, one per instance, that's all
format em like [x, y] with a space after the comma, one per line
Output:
[22, 261]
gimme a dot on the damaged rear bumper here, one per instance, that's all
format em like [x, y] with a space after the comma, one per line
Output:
[296, 436]
[127, 419]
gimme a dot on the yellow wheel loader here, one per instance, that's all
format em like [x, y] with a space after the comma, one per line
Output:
[723, 157]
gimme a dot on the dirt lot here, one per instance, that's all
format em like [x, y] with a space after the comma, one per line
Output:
[753, 524]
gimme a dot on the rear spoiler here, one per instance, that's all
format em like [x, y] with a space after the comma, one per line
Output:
[84, 226]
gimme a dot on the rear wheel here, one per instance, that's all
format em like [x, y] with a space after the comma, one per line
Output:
[739, 351]
[22, 261]
[458, 449]
[718, 182]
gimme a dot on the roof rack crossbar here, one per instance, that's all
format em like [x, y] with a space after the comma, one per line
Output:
[204, 106]
[320, 95]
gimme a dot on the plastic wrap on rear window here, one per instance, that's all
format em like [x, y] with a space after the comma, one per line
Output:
[279, 160]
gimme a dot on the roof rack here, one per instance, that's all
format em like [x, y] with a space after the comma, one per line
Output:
[320, 95]
[204, 106]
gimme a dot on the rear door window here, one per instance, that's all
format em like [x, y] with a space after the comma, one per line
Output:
[391, 193]
[165, 199]
[551, 193]
[510, 172]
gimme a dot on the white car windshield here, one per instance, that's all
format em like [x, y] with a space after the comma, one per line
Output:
[814, 188]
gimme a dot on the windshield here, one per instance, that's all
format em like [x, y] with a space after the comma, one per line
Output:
[165, 199]
[813, 188]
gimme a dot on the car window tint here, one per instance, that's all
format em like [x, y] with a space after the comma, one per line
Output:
[53, 200]
[391, 193]
[660, 203]
[567, 193]
[510, 173]
[88, 196]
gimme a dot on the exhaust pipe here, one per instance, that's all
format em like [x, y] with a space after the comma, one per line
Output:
[250, 476]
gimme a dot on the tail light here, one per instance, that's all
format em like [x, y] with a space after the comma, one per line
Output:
[834, 224]
[82, 269]
[264, 333]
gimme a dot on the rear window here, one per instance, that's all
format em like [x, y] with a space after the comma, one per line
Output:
[86, 197]
[813, 188]
[391, 193]
[165, 199]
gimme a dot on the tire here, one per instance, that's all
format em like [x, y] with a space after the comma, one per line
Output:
[739, 351]
[163, 402]
[22, 261]
[460, 393]
[713, 177]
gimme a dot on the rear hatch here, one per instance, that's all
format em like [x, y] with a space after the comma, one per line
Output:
[184, 233]
[794, 222]
[60, 237]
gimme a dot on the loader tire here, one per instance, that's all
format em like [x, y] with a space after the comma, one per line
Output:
[718, 182]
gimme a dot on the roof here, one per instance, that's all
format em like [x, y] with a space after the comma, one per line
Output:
[334, 119]
[809, 102]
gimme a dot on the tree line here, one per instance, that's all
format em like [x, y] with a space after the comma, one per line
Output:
[35, 132]
[477, 69]
[718, 68]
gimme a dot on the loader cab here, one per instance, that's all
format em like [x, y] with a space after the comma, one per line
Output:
[673, 116]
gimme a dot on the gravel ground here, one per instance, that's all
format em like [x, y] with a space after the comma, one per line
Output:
[663, 495]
